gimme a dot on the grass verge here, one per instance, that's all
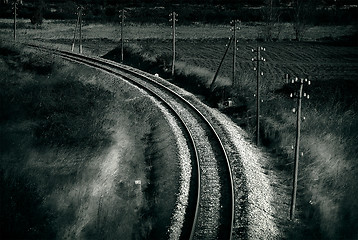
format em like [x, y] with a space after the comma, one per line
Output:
[327, 206]
[42, 109]
[74, 142]
[57, 145]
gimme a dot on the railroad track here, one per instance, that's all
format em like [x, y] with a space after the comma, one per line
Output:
[210, 211]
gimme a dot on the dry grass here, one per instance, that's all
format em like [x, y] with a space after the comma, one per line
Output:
[73, 142]
[327, 194]
[60, 32]
[326, 205]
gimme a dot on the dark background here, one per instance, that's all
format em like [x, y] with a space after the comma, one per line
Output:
[324, 12]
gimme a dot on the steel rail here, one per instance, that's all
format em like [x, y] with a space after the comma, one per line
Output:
[113, 67]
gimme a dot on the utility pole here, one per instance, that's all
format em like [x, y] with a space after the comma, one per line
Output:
[74, 33]
[122, 39]
[299, 96]
[79, 22]
[221, 62]
[258, 59]
[234, 48]
[173, 19]
[15, 3]
[80, 17]
[15, 13]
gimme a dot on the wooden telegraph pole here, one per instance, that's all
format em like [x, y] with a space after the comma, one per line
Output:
[258, 59]
[80, 18]
[122, 39]
[234, 48]
[299, 94]
[15, 13]
[74, 33]
[79, 22]
[173, 19]
[15, 3]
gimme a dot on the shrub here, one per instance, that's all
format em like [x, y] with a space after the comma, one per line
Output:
[63, 108]
[37, 17]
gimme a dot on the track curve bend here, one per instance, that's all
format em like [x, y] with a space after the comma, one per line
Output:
[210, 212]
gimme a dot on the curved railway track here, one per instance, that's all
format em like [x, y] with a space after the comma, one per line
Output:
[210, 212]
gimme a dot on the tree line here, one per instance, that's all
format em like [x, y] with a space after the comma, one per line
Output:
[314, 12]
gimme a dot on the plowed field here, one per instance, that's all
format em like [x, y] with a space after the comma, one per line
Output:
[319, 61]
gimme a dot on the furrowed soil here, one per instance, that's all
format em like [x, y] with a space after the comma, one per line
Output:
[83, 154]
[317, 60]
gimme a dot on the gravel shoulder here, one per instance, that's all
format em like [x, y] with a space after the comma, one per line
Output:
[255, 214]
[254, 211]
[252, 183]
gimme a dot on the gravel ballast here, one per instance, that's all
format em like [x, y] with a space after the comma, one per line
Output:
[254, 214]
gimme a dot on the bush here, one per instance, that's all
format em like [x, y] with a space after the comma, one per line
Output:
[53, 126]
[63, 108]
[37, 16]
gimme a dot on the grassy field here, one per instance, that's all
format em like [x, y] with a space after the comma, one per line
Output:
[327, 205]
[100, 38]
[328, 168]
[73, 142]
